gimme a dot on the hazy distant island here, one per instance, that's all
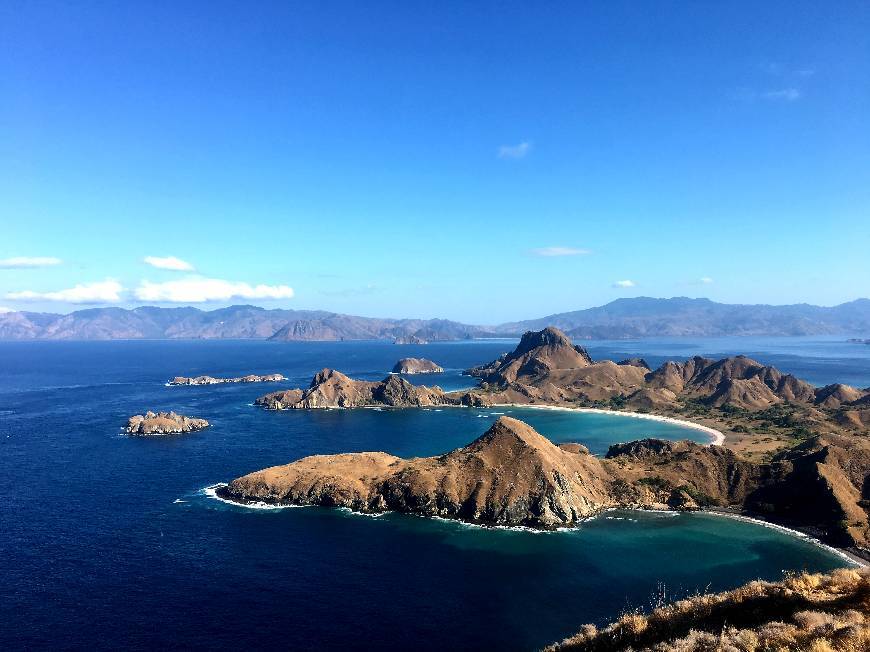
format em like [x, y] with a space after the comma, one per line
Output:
[623, 318]
[211, 380]
[416, 366]
[163, 423]
[856, 340]
[793, 452]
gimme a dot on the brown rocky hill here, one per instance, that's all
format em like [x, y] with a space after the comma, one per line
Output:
[511, 475]
[546, 366]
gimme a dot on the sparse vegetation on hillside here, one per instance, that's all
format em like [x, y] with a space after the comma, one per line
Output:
[815, 612]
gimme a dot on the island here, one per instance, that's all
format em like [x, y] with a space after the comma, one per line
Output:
[211, 380]
[416, 366]
[793, 453]
[804, 611]
[163, 423]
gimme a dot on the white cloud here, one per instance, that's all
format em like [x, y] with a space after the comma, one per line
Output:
[624, 284]
[108, 291]
[168, 262]
[783, 94]
[514, 151]
[706, 280]
[18, 262]
[199, 290]
[560, 251]
[4, 310]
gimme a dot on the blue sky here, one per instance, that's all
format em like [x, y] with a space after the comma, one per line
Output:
[482, 162]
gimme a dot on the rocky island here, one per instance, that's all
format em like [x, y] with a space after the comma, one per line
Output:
[416, 366]
[211, 380]
[332, 389]
[163, 423]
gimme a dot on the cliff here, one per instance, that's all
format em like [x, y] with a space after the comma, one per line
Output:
[822, 613]
[416, 366]
[163, 423]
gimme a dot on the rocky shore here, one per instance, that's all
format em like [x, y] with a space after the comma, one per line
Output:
[163, 423]
[416, 366]
[211, 380]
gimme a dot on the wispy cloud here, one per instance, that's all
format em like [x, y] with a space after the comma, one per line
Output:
[19, 262]
[168, 262]
[550, 252]
[4, 310]
[197, 289]
[705, 280]
[514, 151]
[108, 291]
[624, 284]
[782, 95]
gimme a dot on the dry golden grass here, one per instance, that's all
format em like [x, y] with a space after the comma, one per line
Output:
[814, 612]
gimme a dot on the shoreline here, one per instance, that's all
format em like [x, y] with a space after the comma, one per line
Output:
[845, 555]
[717, 437]
[839, 552]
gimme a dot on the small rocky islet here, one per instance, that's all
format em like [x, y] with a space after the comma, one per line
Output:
[409, 366]
[211, 380]
[163, 423]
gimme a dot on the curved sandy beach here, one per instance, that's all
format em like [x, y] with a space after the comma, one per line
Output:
[717, 438]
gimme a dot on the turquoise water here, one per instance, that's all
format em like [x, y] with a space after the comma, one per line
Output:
[109, 541]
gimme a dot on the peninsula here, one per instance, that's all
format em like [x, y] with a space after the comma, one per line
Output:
[416, 366]
[163, 423]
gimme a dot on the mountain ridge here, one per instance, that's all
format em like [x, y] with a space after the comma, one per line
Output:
[636, 317]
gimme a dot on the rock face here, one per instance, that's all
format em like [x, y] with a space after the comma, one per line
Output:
[210, 380]
[511, 475]
[163, 423]
[416, 366]
[332, 389]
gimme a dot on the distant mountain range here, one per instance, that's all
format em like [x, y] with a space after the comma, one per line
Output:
[623, 318]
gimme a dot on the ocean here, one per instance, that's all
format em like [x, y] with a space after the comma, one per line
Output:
[112, 541]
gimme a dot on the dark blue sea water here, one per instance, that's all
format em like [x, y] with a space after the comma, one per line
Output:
[109, 541]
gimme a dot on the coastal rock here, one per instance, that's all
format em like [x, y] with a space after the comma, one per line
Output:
[416, 366]
[211, 380]
[163, 423]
